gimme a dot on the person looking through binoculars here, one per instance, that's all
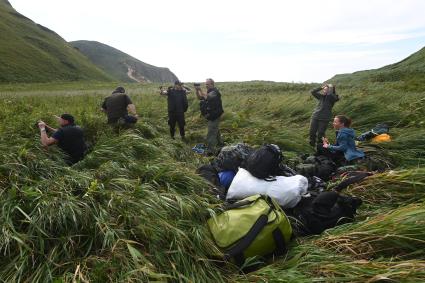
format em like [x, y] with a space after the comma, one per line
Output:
[212, 109]
[177, 106]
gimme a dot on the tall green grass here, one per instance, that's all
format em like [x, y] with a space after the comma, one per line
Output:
[134, 210]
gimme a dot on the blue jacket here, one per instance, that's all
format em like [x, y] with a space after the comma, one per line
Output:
[345, 143]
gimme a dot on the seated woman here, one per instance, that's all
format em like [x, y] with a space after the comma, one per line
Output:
[345, 143]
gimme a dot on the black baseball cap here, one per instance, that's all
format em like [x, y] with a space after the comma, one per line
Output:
[119, 89]
[178, 82]
[68, 117]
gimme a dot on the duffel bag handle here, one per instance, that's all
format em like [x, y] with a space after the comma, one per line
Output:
[242, 203]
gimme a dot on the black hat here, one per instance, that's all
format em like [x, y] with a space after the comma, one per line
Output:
[178, 82]
[119, 89]
[68, 117]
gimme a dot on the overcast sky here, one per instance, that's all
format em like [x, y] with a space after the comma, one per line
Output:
[232, 40]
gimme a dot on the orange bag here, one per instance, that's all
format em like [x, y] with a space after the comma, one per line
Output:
[381, 138]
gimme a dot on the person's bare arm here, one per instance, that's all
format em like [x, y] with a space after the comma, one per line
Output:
[162, 91]
[45, 140]
[51, 129]
[188, 90]
[132, 109]
[103, 107]
[200, 93]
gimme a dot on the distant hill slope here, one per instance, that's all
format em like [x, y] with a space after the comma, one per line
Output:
[120, 65]
[33, 53]
[411, 69]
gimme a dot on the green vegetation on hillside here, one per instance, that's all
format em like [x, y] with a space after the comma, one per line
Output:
[134, 210]
[30, 52]
[120, 65]
[406, 74]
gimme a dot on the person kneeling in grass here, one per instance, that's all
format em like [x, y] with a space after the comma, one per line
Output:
[345, 145]
[117, 106]
[68, 137]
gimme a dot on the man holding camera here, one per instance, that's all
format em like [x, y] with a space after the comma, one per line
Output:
[322, 114]
[117, 105]
[68, 137]
[177, 106]
[211, 109]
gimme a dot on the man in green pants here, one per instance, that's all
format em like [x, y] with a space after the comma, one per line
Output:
[211, 109]
[322, 113]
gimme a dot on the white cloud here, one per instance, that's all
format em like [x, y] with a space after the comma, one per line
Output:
[232, 39]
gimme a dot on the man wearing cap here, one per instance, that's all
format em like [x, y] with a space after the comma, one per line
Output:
[68, 137]
[117, 105]
[177, 106]
[211, 109]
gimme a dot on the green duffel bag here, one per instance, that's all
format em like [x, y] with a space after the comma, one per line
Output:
[254, 226]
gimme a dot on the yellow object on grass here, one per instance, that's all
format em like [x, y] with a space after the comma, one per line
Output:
[381, 138]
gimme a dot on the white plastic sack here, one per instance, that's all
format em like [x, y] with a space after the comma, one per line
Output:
[287, 191]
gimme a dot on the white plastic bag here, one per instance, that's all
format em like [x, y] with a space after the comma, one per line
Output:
[287, 191]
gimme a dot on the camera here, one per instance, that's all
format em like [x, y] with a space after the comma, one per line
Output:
[36, 125]
[196, 84]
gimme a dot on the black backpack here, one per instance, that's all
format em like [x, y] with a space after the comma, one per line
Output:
[231, 157]
[325, 167]
[203, 106]
[264, 162]
[315, 214]
[209, 173]
[319, 166]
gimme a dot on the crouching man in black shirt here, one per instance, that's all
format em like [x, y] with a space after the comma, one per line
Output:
[117, 105]
[68, 137]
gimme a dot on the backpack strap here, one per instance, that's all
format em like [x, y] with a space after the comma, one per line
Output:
[279, 241]
[237, 250]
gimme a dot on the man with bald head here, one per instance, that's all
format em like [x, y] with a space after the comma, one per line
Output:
[211, 109]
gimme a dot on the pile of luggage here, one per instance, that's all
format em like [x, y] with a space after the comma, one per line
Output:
[268, 203]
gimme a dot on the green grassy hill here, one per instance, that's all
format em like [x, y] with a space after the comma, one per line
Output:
[120, 65]
[410, 72]
[30, 52]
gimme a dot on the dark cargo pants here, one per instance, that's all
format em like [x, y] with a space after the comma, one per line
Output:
[317, 130]
[173, 118]
[213, 135]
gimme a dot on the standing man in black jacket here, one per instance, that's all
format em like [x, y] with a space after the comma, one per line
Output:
[211, 109]
[322, 114]
[177, 106]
